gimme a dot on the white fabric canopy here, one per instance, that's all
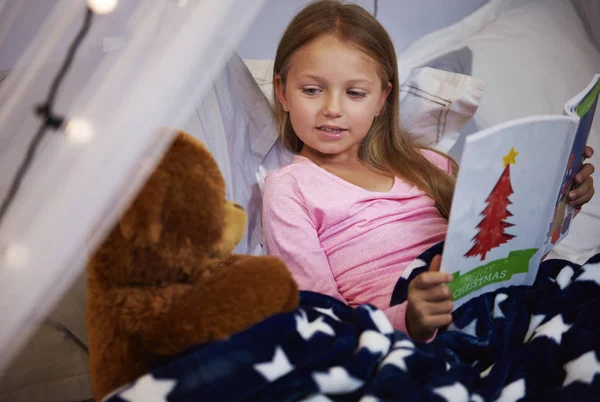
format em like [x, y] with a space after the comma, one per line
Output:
[144, 71]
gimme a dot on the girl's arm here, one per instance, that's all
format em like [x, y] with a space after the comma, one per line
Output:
[290, 234]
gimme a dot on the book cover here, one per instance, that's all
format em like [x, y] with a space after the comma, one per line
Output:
[510, 202]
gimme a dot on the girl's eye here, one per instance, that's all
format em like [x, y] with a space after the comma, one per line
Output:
[356, 94]
[311, 91]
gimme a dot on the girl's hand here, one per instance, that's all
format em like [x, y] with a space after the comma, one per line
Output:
[585, 191]
[429, 302]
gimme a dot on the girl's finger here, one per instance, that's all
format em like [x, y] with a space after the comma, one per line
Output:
[586, 171]
[438, 321]
[439, 308]
[428, 280]
[582, 189]
[588, 152]
[437, 294]
[583, 194]
[435, 264]
[584, 199]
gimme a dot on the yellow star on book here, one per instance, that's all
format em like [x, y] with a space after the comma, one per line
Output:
[510, 158]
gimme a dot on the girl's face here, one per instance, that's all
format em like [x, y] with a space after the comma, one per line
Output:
[332, 93]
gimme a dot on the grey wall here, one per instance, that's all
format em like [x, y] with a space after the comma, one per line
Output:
[261, 40]
[19, 22]
[405, 20]
[408, 20]
[24, 18]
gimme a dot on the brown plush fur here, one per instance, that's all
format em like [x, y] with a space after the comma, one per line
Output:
[165, 278]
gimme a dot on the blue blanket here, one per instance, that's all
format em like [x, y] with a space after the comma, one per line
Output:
[539, 343]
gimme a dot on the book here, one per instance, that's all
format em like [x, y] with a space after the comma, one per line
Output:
[511, 204]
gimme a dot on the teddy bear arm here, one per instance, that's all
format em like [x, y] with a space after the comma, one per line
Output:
[143, 310]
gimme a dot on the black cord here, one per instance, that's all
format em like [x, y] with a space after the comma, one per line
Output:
[375, 8]
[68, 334]
[45, 111]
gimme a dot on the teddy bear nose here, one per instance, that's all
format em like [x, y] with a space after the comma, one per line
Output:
[238, 206]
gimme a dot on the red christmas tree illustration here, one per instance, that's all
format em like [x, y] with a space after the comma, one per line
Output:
[493, 225]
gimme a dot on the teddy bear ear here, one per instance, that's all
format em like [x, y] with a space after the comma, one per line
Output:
[142, 222]
[150, 228]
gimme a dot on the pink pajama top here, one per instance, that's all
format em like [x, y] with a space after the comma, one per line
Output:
[344, 241]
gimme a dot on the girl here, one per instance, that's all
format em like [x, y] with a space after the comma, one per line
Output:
[359, 201]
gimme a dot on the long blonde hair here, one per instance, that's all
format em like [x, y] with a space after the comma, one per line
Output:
[385, 146]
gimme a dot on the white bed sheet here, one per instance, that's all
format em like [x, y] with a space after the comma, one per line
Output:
[234, 119]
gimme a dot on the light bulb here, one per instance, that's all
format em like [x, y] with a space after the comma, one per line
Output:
[79, 131]
[17, 255]
[181, 3]
[103, 6]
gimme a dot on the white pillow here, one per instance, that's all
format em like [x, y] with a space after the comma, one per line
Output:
[434, 105]
[533, 56]
[236, 123]
[451, 38]
[262, 71]
[589, 11]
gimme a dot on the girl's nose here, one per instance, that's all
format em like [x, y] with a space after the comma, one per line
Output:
[332, 107]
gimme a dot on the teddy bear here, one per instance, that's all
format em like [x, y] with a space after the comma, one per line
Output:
[165, 278]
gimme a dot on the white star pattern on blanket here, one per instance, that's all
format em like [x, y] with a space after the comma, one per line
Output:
[469, 329]
[316, 398]
[512, 392]
[591, 272]
[307, 329]
[582, 369]
[404, 343]
[149, 389]
[369, 398]
[553, 329]
[476, 398]
[327, 311]
[500, 297]
[381, 321]
[336, 381]
[374, 342]
[487, 371]
[563, 279]
[397, 358]
[276, 368]
[534, 322]
[453, 393]
[417, 263]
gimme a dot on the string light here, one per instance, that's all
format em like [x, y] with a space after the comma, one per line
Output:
[103, 7]
[16, 255]
[79, 131]
[50, 120]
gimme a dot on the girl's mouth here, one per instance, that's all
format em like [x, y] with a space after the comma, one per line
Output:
[331, 130]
